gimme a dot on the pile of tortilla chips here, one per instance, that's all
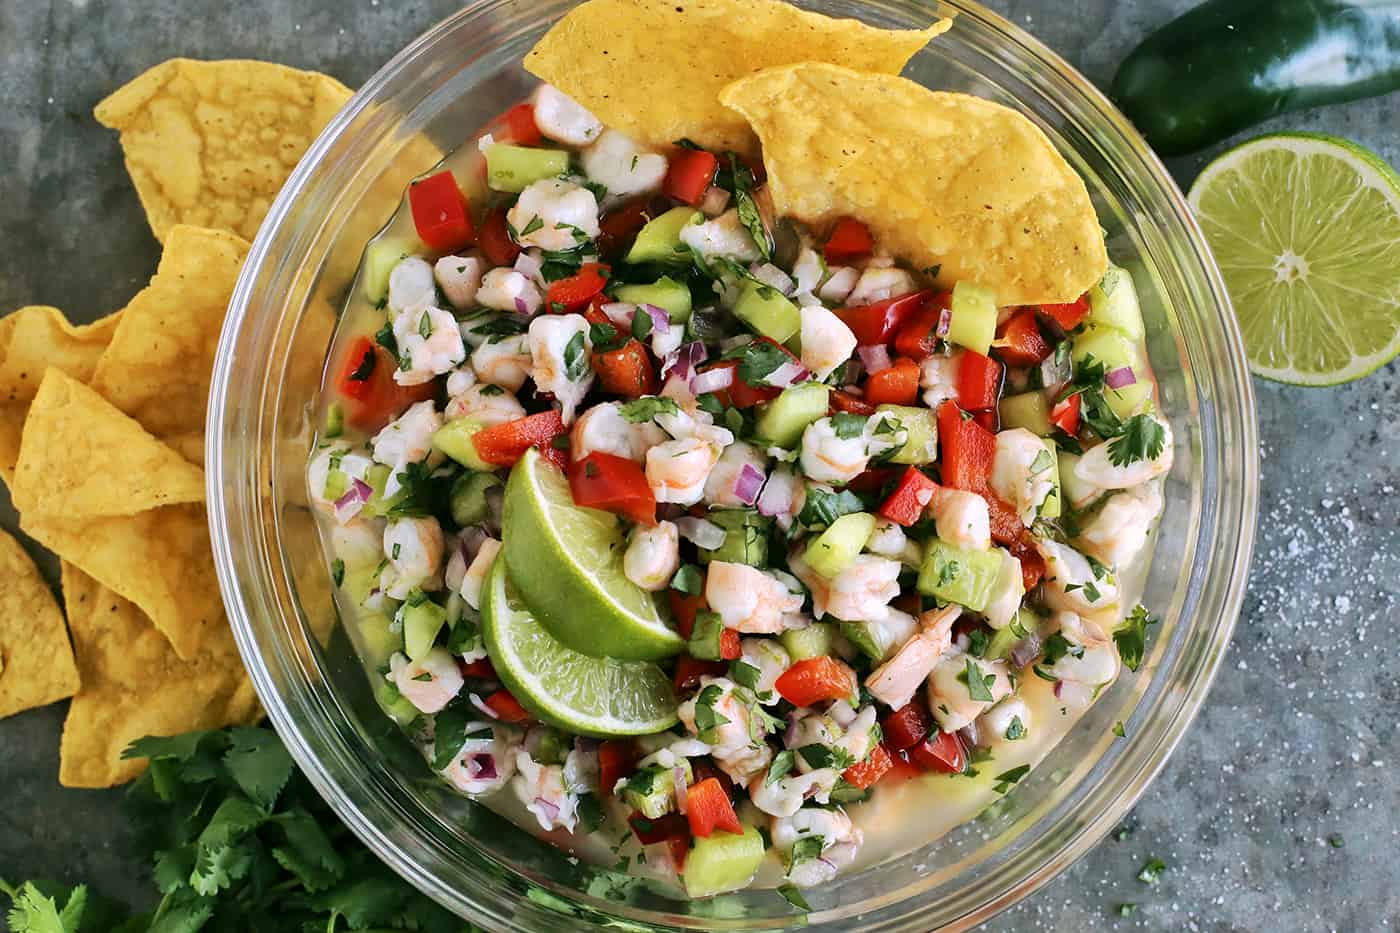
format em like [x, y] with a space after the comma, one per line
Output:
[102, 428]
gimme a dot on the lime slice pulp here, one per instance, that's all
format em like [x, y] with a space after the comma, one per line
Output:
[567, 563]
[592, 696]
[1306, 230]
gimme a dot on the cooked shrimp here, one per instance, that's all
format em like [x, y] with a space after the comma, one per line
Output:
[749, 600]
[726, 235]
[335, 458]
[828, 457]
[622, 166]
[562, 359]
[826, 341]
[891, 632]
[720, 486]
[961, 518]
[508, 290]
[1097, 467]
[505, 362]
[475, 576]
[1001, 720]
[677, 470]
[1093, 659]
[359, 541]
[486, 403]
[407, 439]
[1023, 471]
[938, 376]
[737, 740]
[771, 659]
[895, 682]
[860, 593]
[602, 428]
[545, 792]
[429, 684]
[411, 285]
[878, 283]
[950, 695]
[413, 547]
[888, 539]
[459, 277]
[785, 796]
[552, 210]
[1118, 531]
[484, 765]
[1006, 591]
[563, 119]
[1071, 583]
[840, 841]
[653, 556]
[429, 344]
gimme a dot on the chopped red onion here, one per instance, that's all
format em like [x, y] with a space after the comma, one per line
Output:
[1073, 693]
[480, 704]
[353, 500]
[716, 200]
[1025, 650]
[705, 534]
[876, 358]
[945, 322]
[842, 712]
[684, 360]
[790, 733]
[748, 483]
[970, 734]
[521, 306]
[854, 369]
[776, 498]
[481, 767]
[682, 791]
[660, 319]
[787, 374]
[528, 265]
[713, 380]
[772, 276]
[470, 542]
[1120, 378]
[1054, 376]
[551, 811]
[619, 312]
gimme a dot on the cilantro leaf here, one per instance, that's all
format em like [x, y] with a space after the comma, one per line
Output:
[793, 895]
[824, 756]
[822, 507]
[1131, 637]
[782, 766]
[308, 853]
[978, 685]
[752, 220]
[576, 364]
[1143, 438]
[32, 912]
[707, 719]
[687, 580]
[648, 407]
[1015, 729]
[605, 337]
[848, 425]
[758, 359]
[805, 849]
[259, 763]
[1006, 779]
[450, 731]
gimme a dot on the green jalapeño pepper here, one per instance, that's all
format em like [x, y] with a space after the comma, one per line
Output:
[1229, 64]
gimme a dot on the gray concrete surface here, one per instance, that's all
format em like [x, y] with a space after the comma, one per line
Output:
[1277, 813]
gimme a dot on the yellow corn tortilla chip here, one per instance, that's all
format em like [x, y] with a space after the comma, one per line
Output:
[134, 685]
[32, 339]
[654, 68]
[82, 458]
[210, 143]
[158, 365]
[160, 560]
[941, 179]
[36, 661]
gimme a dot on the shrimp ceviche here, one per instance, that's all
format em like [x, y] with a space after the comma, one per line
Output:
[688, 524]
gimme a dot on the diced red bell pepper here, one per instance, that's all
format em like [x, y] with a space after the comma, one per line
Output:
[906, 726]
[689, 175]
[1032, 564]
[989, 418]
[966, 450]
[874, 479]
[1006, 524]
[689, 671]
[1065, 415]
[627, 371]
[440, 213]
[918, 337]
[941, 751]
[375, 399]
[850, 239]
[705, 769]
[494, 239]
[901, 769]
[897, 385]
[1070, 315]
[816, 679]
[650, 832]
[503, 444]
[905, 505]
[616, 760]
[729, 647]
[619, 227]
[878, 322]
[739, 394]
[841, 400]
[614, 484]
[555, 456]
[1020, 342]
[979, 381]
[506, 707]
[707, 808]
[684, 609]
[477, 670]
[865, 773]
[516, 125]
[572, 294]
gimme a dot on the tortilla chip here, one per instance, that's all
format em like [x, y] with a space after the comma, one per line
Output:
[654, 68]
[158, 366]
[160, 560]
[36, 662]
[941, 179]
[82, 458]
[32, 339]
[211, 143]
[134, 685]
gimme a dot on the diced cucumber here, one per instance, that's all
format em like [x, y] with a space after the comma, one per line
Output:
[1114, 302]
[378, 640]
[973, 323]
[421, 624]
[782, 421]
[745, 537]
[957, 575]
[337, 482]
[1004, 639]
[335, 420]
[468, 497]
[652, 790]
[1114, 350]
[1053, 504]
[836, 548]
[922, 426]
[705, 641]
[394, 704]
[515, 168]
[665, 293]
[814, 641]
[552, 748]
[381, 257]
[1078, 493]
[863, 636]
[455, 440]
[659, 240]
[378, 478]
[722, 862]
[1028, 410]
[768, 312]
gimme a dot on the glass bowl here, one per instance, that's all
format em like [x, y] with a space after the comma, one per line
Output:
[430, 99]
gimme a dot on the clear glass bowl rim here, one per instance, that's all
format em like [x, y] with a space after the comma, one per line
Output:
[258, 603]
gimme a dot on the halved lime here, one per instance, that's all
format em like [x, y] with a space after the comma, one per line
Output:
[1306, 229]
[560, 686]
[567, 562]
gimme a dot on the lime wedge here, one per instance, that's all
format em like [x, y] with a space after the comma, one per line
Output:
[1306, 229]
[560, 686]
[567, 562]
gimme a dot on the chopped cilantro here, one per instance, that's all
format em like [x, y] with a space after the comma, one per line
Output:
[848, 425]
[576, 363]
[978, 685]
[1131, 637]
[605, 337]
[489, 389]
[535, 224]
[821, 507]
[744, 674]
[688, 580]
[805, 849]
[1015, 729]
[1143, 438]
[707, 719]
[824, 756]
[758, 359]
[648, 407]
[1006, 779]
[641, 324]
[782, 766]
[338, 571]
[793, 896]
